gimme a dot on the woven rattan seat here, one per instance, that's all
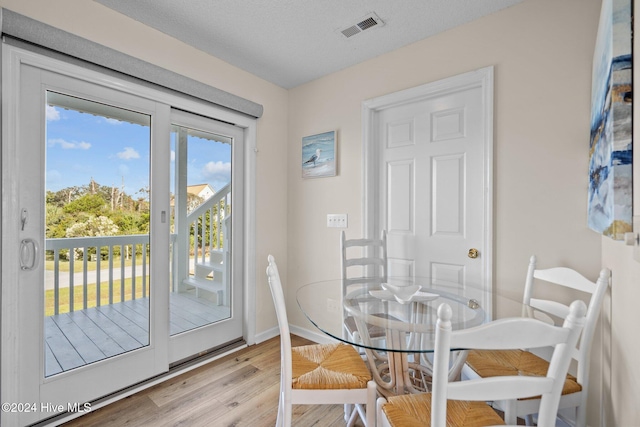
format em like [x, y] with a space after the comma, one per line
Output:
[415, 410]
[493, 363]
[328, 366]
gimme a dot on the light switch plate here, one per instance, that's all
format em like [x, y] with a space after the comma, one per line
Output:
[337, 220]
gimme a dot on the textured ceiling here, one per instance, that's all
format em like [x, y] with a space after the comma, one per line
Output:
[291, 42]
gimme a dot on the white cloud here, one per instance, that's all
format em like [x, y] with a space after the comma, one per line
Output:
[52, 113]
[220, 171]
[112, 121]
[69, 145]
[128, 154]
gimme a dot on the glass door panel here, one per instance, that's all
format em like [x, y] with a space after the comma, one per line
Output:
[201, 206]
[97, 216]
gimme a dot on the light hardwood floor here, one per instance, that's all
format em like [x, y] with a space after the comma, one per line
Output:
[240, 389]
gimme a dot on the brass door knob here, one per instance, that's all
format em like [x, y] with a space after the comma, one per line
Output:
[473, 253]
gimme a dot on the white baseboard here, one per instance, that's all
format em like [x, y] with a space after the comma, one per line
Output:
[314, 336]
[267, 335]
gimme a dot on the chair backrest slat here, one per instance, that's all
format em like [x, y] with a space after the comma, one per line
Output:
[552, 307]
[505, 334]
[369, 255]
[500, 388]
[566, 277]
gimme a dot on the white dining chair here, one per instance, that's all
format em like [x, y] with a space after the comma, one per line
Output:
[363, 260]
[319, 374]
[369, 257]
[463, 403]
[574, 393]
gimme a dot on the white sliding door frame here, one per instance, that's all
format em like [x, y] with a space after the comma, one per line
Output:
[12, 59]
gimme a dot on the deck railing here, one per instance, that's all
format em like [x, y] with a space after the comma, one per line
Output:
[206, 223]
[109, 255]
[91, 250]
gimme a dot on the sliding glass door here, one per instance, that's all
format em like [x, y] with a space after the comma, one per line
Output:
[206, 202]
[122, 237]
[90, 240]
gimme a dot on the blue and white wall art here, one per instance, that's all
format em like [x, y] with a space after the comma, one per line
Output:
[610, 152]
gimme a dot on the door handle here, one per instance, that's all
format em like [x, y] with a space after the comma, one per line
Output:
[24, 216]
[473, 253]
[28, 254]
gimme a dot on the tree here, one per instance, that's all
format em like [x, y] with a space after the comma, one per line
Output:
[64, 196]
[91, 204]
[93, 226]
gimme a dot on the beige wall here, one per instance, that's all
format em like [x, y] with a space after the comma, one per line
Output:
[542, 52]
[97, 23]
[542, 57]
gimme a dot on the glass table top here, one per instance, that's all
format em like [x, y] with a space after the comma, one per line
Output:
[399, 315]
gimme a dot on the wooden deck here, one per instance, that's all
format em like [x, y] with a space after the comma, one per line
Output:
[86, 336]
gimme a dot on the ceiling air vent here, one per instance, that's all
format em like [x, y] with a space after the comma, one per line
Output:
[369, 21]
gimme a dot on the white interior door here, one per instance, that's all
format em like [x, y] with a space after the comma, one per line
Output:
[432, 166]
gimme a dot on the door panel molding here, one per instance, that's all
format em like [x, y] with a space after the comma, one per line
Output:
[400, 176]
[447, 176]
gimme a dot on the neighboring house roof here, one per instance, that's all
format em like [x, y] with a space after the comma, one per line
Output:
[204, 191]
[200, 190]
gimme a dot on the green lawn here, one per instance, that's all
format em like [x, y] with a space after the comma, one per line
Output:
[78, 295]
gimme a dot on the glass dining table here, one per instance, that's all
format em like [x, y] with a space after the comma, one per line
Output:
[393, 323]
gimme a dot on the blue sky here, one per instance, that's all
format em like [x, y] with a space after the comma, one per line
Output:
[208, 162]
[81, 146]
